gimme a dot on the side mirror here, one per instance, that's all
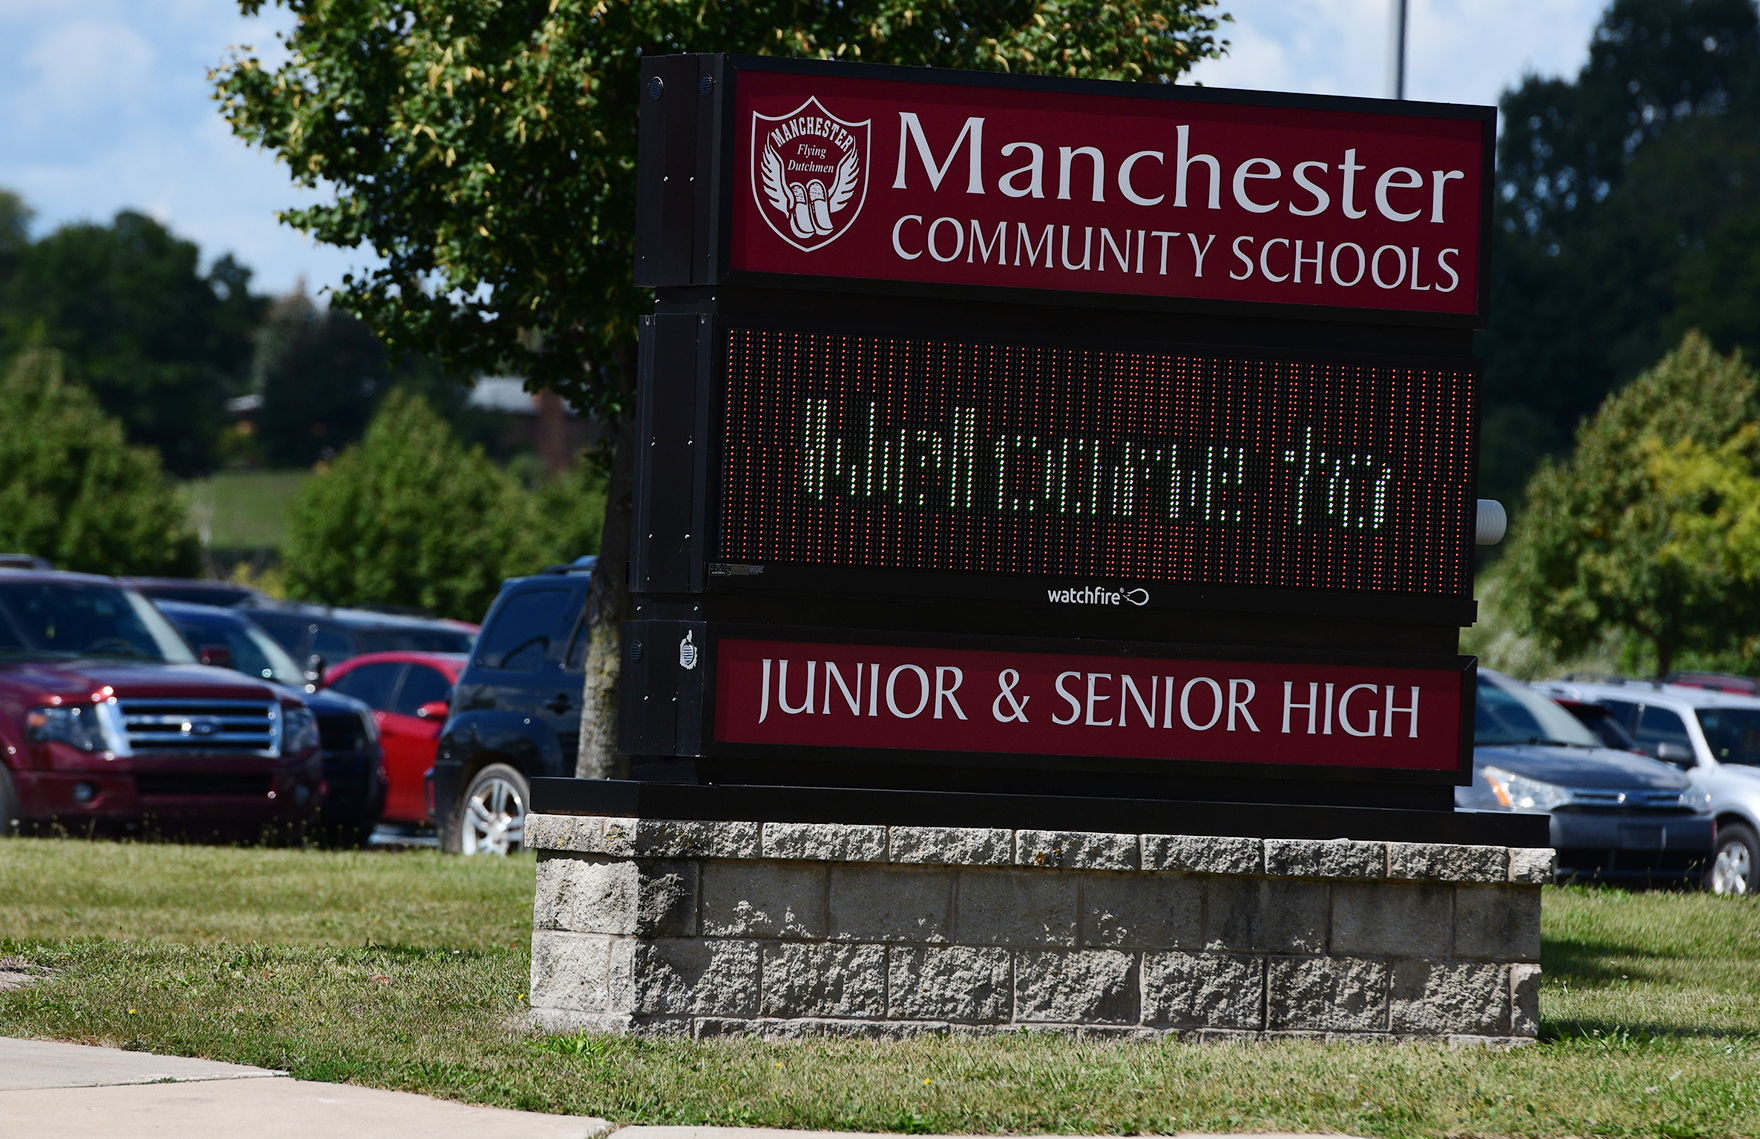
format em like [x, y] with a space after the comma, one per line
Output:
[1679, 754]
[432, 710]
[219, 656]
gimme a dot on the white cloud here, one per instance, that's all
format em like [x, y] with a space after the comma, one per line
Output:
[1458, 51]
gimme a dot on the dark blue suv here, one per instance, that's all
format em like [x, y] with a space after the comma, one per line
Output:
[516, 710]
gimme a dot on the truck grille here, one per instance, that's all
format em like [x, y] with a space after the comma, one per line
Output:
[184, 726]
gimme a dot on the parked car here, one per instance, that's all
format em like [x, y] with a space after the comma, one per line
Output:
[1599, 718]
[516, 710]
[1615, 816]
[354, 771]
[1715, 737]
[198, 591]
[319, 635]
[106, 718]
[1721, 681]
[409, 695]
[25, 562]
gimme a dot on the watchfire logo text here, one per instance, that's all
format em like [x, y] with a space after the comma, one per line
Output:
[1097, 595]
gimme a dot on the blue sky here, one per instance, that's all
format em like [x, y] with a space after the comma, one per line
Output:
[104, 103]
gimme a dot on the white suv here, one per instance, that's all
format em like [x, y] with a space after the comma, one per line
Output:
[1715, 736]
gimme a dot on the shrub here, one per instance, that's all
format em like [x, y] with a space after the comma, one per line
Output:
[410, 516]
[1629, 533]
[71, 488]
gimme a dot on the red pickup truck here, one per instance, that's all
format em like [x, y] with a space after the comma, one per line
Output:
[107, 719]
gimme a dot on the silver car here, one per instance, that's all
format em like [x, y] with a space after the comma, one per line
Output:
[1714, 737]
[1615, 815]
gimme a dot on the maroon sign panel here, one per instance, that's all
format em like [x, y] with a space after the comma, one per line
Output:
[1160, 197]
[934, 699]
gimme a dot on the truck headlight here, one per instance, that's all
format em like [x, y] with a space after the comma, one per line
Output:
[88, 727]
[299, 730]
[1519, 793]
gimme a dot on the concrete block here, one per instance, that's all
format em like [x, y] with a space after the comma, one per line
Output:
[953, 983]
[1014, 907]
[763, 899]
[1266, 915]
[687, 977]
[1445, 862]
[1142, 911]
[1121, 1034]
[824, 980]
[1437, 998]
[571, 971]
[593, 893]
[583, 834]
[1326, 994]
[680, 838]
[825, 842]
[1197, 854]
[951, 846]
[1391, 919]
[1498, 922]
[817, 1028]
[1204, 990]
[1078, 986]
[1533, 866]
[1524, 993]
[1076, 850]
[1325, 858]
[890, 903]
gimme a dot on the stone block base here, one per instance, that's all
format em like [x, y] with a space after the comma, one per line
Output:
[700, 929]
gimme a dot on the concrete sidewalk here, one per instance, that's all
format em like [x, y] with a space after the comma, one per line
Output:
[48, 1091]
[71, 1091]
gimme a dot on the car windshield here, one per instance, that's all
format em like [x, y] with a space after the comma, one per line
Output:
[63, 620]
[253, 652]
[1733, 734]
[1509, 712]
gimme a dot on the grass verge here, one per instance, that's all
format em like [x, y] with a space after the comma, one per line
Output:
[408, 971]
[244, 509]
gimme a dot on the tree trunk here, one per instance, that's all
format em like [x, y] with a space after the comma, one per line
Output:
[608, 606]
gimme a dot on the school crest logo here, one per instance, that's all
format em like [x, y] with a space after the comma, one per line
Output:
[809, 173]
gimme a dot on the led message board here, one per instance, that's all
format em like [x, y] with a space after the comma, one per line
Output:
[1136, 467]
[989, 421]
[912, 177]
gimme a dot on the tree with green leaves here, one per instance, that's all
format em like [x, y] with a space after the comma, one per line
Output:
[1631, 531]
[486, 152]
[15, 237]
[157, 340]
[1626, 199]
[71, 487]
[410, 516]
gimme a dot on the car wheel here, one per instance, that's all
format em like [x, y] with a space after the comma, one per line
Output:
[492, 817]
[1732, 870]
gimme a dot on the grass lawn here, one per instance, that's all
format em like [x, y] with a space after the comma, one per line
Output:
[244, 509]
[408, 971]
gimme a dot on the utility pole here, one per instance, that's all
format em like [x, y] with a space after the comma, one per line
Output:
[1396, 64]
